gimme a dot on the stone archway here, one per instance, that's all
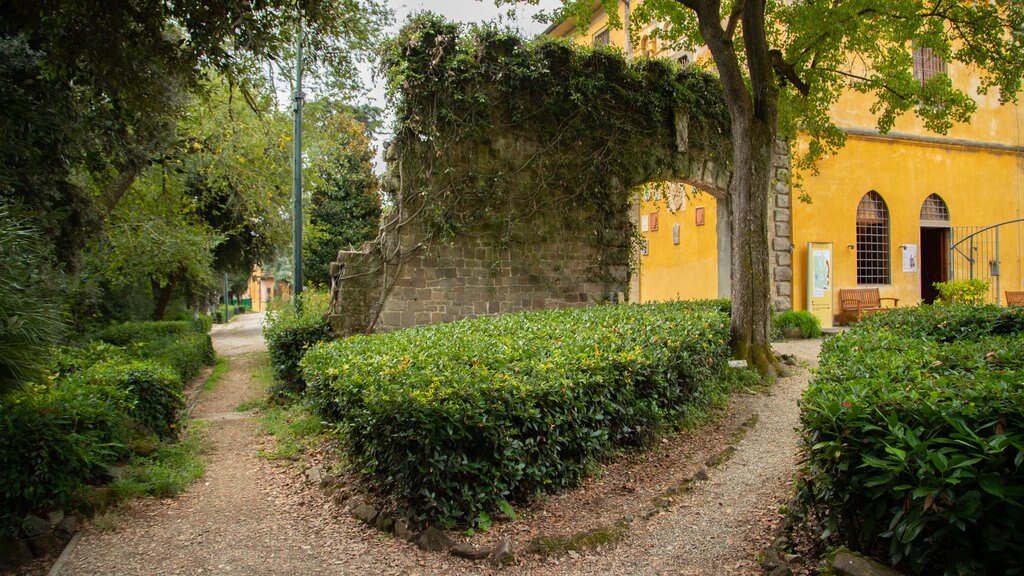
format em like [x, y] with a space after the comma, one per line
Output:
[510, 171]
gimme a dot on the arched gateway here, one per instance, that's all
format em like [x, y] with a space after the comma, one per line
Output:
[509, 175]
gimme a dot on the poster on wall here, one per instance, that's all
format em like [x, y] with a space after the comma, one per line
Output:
[909, 257]
[822, 267]
[819, 281]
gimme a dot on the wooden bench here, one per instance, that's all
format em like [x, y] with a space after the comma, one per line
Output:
[858, 302]
[1014, 298]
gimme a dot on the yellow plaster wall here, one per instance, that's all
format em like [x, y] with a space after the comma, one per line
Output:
[980, 187]
[685, 271]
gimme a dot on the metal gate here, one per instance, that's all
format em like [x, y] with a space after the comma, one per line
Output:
[974, 253]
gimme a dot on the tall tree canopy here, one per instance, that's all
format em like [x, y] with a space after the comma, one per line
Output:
[345, 206]
[785, 63]
[97, 87]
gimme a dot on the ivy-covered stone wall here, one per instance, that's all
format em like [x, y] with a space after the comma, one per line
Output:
[511, 170]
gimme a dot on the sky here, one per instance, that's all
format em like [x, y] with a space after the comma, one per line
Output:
[518, 16]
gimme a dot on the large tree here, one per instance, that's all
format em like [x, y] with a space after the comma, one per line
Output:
[97, 88]
[345, 207]
[790, 61]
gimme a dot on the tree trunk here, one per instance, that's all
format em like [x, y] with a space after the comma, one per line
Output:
[753, 113]
[751, 266]
[164, 294]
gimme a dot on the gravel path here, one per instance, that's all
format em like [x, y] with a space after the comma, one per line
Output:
[251, 516]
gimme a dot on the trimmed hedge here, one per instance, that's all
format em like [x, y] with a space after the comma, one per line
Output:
[914, 437]
[154, 391]
[133, 332]
[457, 419]
[186, 354]
[289, 335]
[53, 440]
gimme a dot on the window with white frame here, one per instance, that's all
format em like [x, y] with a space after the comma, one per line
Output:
[872, 240]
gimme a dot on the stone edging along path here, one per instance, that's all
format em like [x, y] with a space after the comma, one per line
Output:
[703, 502]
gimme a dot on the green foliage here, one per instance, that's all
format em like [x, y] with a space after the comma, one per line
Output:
[454, 419]
[154, 392]
[914, 438]
[971, 291]
[478, 108]
[166, 472]
[128, 332]
[185, 355]
[30, 319]
[293, 428]
[55, 438]
[290, 334]
[345, 206]
[807, 323]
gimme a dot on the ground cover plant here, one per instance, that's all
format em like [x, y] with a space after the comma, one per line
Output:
[913, 432]
[117, 391]
[457, 420]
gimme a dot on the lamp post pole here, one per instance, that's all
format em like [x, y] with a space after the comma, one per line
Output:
[297, 178]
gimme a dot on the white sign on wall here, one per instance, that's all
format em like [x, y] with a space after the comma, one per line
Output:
[909, 257]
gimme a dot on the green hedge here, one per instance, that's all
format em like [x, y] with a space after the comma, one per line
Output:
[289, 335]
[134, 332]
[457, 419]
[186, 354]
[55, 438]
[153, 389]
[914, 438]
[127, 380]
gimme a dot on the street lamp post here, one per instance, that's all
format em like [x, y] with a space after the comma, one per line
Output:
[297, 178]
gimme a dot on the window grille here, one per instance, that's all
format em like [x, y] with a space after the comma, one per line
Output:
[872, 240]
[927, 64]
[934, 212]
[602, 38]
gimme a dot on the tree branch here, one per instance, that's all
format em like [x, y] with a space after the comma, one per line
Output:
[117, 188]
[786, 71]
[734, 19]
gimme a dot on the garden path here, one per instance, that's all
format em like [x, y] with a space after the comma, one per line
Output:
[250, 516]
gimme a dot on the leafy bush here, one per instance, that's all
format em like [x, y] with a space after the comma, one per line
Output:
[154, 391]
[30, 315]
[185, 354]
[971, 291]
[807, 323]
[55, 438]
[134, 332]
[289, 335]
[914, 438]
[456, 419]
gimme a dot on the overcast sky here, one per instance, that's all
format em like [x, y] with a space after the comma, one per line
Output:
[518, 16]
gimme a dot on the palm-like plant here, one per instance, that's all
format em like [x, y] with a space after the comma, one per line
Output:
[30, 318]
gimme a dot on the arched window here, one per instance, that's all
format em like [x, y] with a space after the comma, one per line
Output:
[872, 240]
[934, 212]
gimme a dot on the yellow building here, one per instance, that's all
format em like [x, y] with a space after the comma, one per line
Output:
[899, 209]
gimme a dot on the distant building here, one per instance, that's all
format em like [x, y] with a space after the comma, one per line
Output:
[901, 210]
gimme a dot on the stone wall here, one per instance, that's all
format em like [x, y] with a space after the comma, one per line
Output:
[564, 256]
[780, 230]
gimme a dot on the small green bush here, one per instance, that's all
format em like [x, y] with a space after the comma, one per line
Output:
[807, 323]
[457, 419]
[913, 432]
[289, 335]
[154, 390]
[971, 291]
[55, 438]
